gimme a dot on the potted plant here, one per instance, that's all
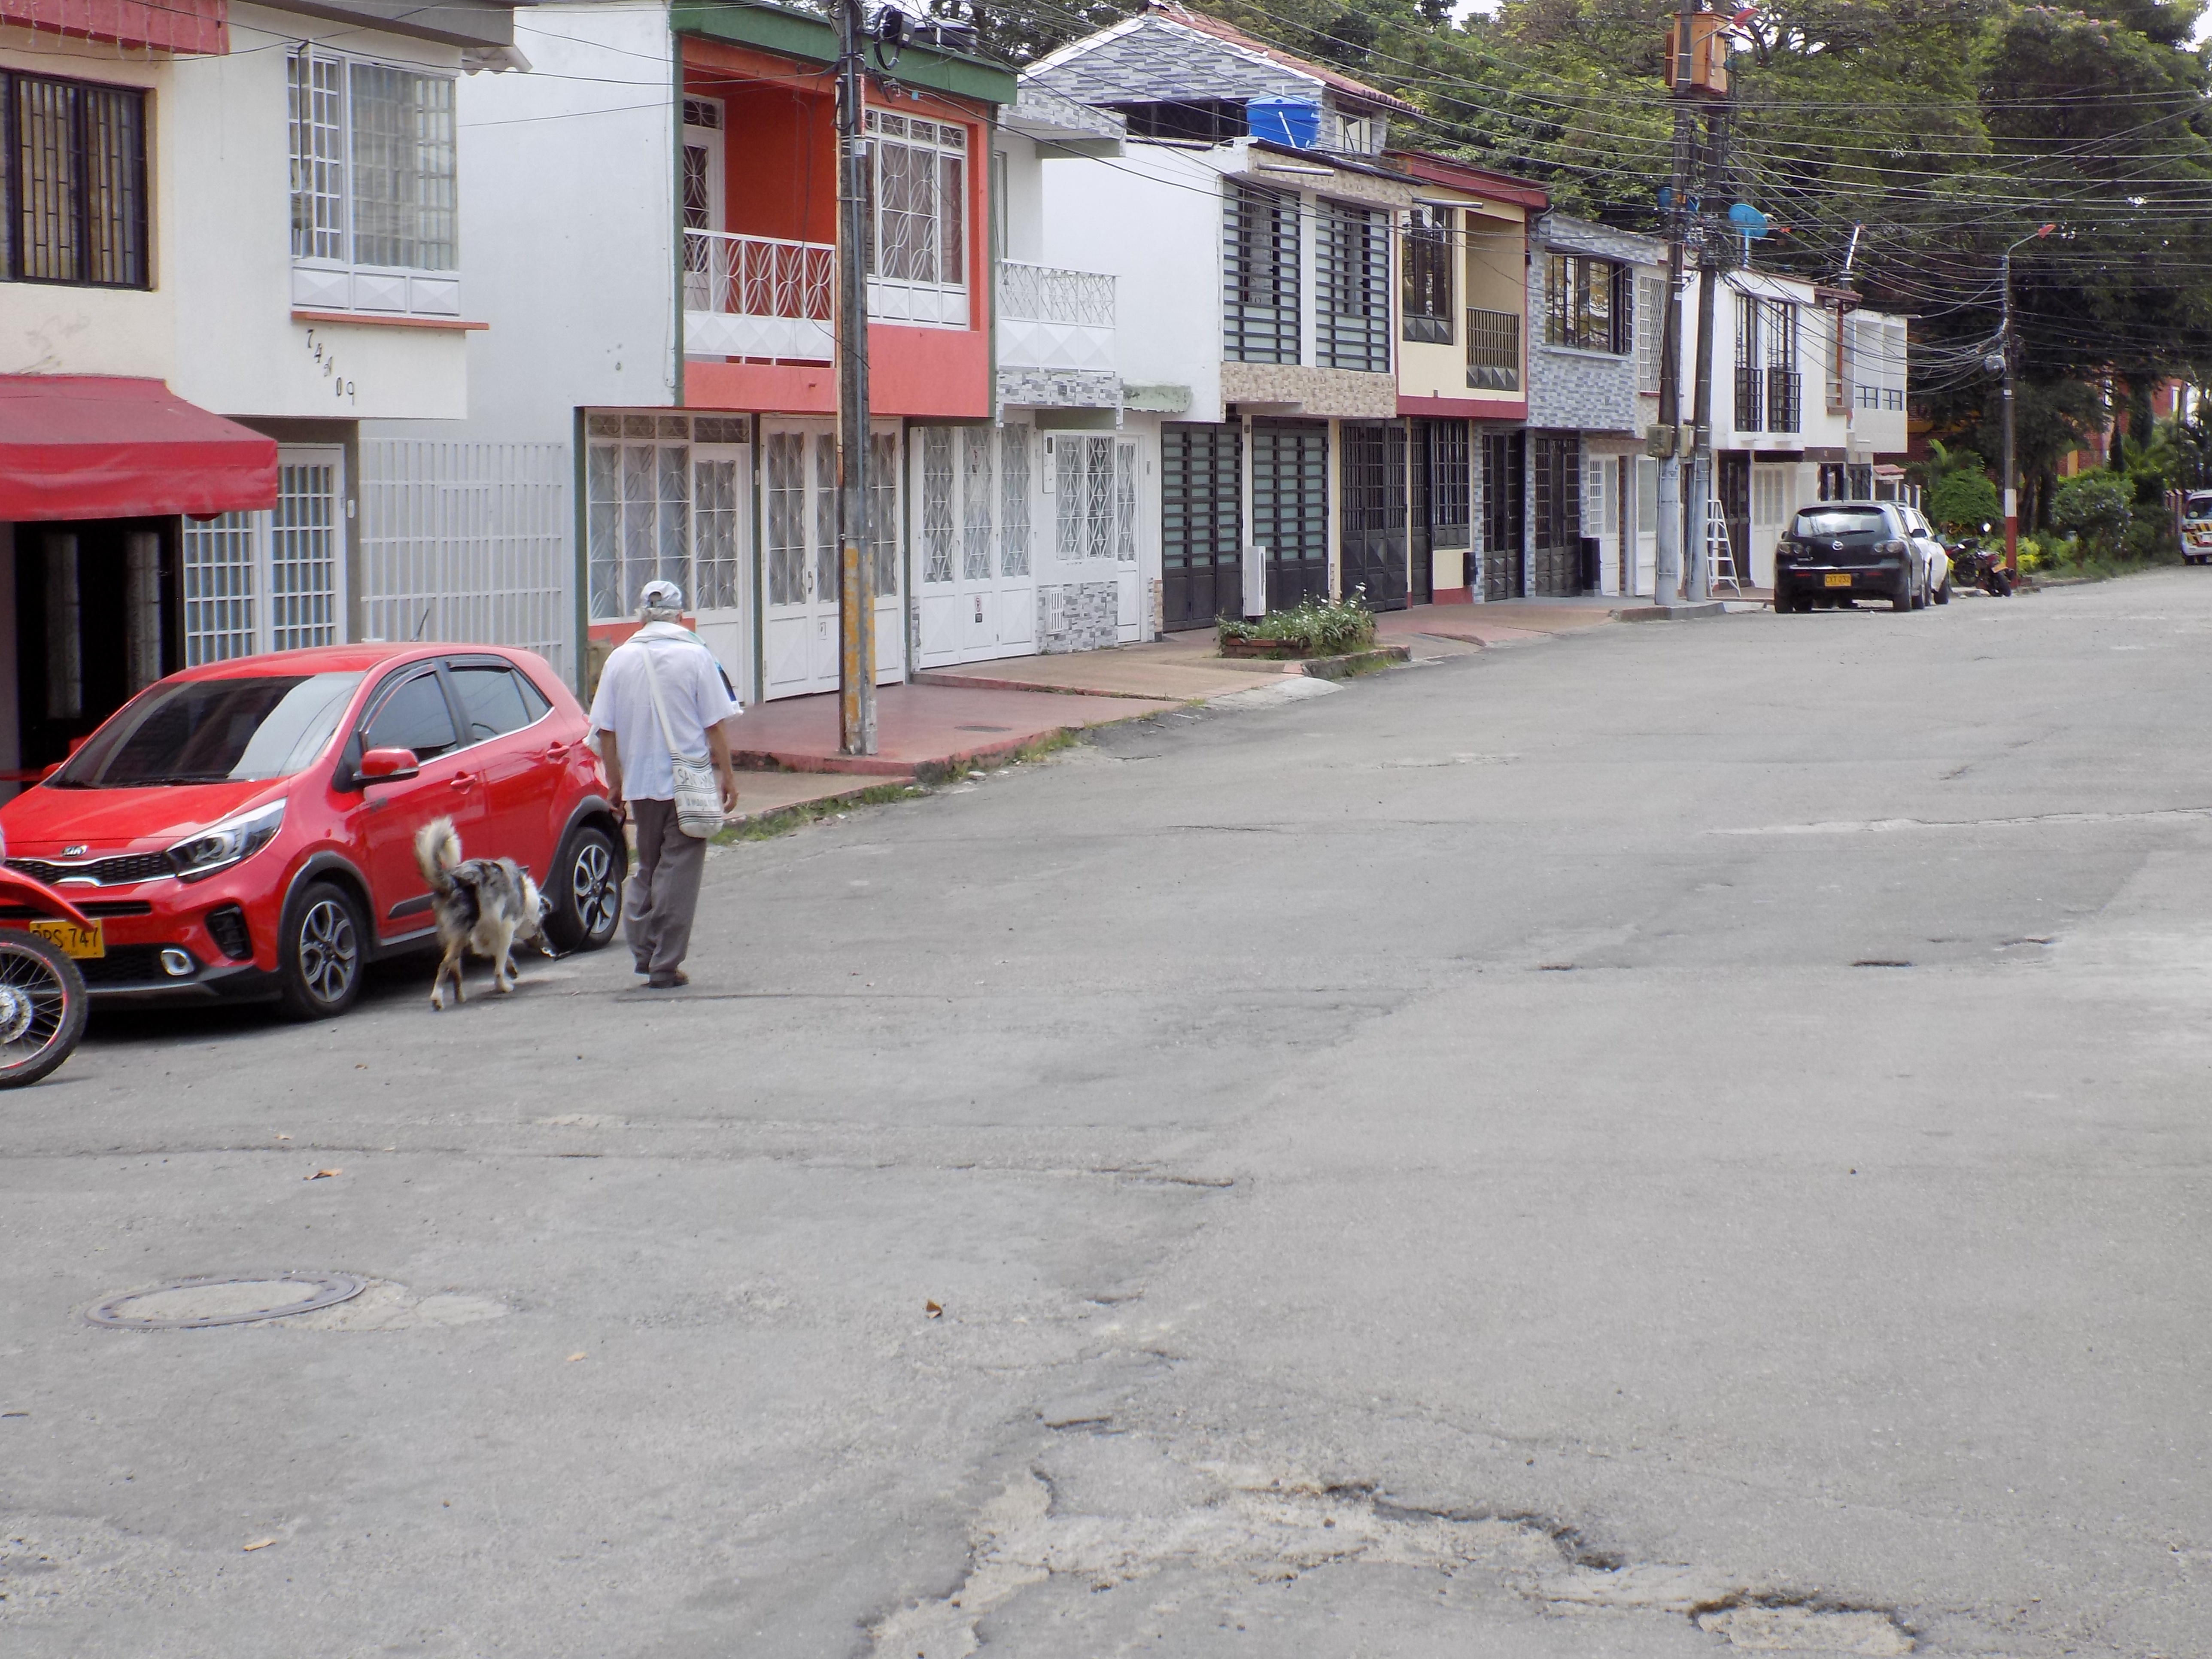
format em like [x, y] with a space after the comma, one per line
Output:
[1312, 628]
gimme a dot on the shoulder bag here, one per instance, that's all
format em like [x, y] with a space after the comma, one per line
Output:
[698, 793]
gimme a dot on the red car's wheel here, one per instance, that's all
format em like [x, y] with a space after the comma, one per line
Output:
[322, 956]
[42, 1008]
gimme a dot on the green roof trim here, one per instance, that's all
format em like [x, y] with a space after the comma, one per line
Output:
[808, 35]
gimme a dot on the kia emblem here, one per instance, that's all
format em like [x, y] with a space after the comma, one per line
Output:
[76, 852]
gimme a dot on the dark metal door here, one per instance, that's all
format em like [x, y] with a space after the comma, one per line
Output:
[1734, 491]
[1290, 508]
[1505, 485]
[1443, 492]
[1555, 492]
[1201, 525]
[1374, 545]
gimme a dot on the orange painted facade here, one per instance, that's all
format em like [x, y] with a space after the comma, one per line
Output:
[780, 169]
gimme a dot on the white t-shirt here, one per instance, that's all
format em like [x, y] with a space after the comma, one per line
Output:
[694, 690]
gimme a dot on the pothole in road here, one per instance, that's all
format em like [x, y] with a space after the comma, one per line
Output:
[299, 1301]
[1175, 1517]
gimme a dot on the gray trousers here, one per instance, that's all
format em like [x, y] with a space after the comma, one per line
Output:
[663, 892]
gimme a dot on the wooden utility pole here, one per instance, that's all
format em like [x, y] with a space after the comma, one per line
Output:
[856, 595]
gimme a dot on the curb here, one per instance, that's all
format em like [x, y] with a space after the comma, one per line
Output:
[1672, 612]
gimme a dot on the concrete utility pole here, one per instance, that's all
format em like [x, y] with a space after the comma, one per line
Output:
[1715, 184]
[1667, 581]
[856, 587]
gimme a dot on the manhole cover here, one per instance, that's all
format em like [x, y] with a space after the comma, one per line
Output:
[191, 1304]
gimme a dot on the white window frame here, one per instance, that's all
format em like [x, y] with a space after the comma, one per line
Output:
[903, 285]
[274, 579]
[326, 274]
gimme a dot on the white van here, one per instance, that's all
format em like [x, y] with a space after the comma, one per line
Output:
[2196, 526]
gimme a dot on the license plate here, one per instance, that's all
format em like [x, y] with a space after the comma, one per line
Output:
[1839, 579]
[76, 941]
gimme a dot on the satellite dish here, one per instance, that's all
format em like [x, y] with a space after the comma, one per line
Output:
[1748, 220]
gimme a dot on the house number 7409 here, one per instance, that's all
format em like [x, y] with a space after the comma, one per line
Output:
[340, 388]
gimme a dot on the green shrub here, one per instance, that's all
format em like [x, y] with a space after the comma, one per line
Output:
[1324, 627]
[2093, 505]
[1963, 501]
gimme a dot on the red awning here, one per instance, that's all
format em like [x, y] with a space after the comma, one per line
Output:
[100, 446]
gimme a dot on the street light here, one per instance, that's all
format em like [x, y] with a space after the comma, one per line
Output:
[2004, 348]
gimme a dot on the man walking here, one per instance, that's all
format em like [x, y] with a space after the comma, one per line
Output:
[663, 889]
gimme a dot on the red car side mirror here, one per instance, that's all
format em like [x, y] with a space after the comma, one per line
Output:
[387, 765]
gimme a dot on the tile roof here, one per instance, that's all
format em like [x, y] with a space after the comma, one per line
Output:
[1167, 52]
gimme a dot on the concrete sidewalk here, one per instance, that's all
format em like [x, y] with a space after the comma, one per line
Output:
[922, 732]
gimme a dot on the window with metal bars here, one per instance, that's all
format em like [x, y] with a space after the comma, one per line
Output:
[374, 179]
[1588, 304]
[917, 201]
[1352, 321]
[1428, 276]
[73, 183]
[1451, 479]
[1259, 275]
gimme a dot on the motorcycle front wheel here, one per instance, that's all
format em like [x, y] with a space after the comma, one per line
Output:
[43, 1006]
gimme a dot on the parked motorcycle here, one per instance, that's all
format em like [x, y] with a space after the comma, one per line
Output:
[43, 1004]
[1978, 568]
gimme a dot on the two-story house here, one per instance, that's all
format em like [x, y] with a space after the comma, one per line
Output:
[1463, 374]
[1595, 294]
[1250, 226]
[1808, 401]
[233, 238]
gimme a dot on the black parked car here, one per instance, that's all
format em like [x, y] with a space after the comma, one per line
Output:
[1837, 551]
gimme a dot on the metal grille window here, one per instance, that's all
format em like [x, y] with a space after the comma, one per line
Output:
[1451, 483]
[1352, 327]
[1493, 351]
[1014, 501]
[1783, 383]
[1083, 478]
[1201, 527]
[937, 503]
[373, 177]
[827, 583]
[1259, 275]
[1750, 405]
[1587, 304]
[72, 183]
[714, 536]
[784, 459]
[1125, 503]
[1428, 278]
[975, 503]
[918, 200]
[1650, 317]
[268, 581]
[638, 511]
[883, 489]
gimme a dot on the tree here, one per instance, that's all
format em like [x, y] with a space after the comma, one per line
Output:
[2095, 506]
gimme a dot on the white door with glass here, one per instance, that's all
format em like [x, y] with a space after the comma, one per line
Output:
[704, 197]
[974, 556]
[271, 580]
[1092, 485]
[721, 543]
[800, 637]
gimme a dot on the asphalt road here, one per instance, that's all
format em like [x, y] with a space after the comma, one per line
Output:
[1674, 1139]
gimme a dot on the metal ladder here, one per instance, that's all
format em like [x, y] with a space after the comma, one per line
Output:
[1720, 552]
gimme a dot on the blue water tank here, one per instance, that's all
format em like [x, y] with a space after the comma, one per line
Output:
[1289, 121]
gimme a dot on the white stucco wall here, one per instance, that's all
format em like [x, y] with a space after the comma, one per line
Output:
[48, 330]
[1151, 217]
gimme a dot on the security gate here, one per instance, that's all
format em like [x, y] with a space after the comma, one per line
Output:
[1555, 491]
[1503, 494]
[1290, 508]
[1202, 523]
[974, 547]
[1374, 545]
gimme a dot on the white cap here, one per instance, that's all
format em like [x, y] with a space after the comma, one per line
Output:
[661, 595]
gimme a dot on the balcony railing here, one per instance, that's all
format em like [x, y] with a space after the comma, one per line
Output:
[758, 296]
[1056, 319]
[1493, 351]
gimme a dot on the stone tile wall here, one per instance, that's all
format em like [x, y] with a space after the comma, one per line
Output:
[1078, 616]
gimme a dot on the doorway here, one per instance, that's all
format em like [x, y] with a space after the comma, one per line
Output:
[75, 582]
[1555, 492]
[976, 549]
[1374, 548]
[1289, 508]
[1504, 491]
[1202, 523]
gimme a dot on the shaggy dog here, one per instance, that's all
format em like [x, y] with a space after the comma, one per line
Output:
[483, 905]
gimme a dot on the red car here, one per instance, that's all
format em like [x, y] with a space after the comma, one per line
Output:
[247, 828]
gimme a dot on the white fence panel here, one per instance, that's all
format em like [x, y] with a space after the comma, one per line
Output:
[467, 542]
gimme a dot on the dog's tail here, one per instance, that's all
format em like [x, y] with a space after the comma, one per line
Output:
[437, 851]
